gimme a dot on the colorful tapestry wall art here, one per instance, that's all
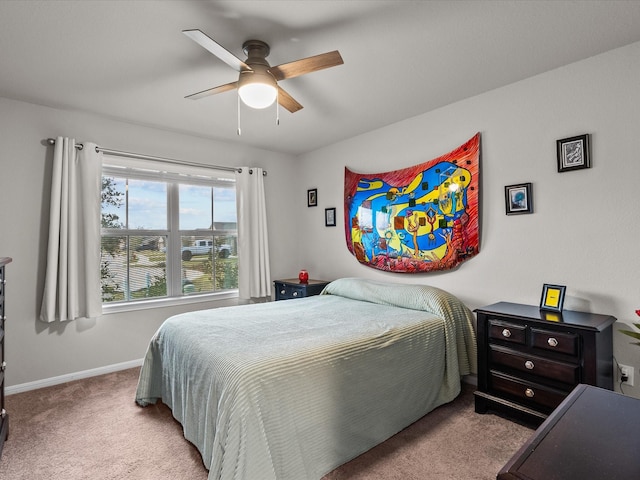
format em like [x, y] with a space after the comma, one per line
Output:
[419, 219]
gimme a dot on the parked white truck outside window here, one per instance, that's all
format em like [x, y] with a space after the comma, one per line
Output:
[203, 247]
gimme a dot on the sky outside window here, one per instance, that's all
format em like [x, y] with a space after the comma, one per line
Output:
[148, 205]
[196, 206]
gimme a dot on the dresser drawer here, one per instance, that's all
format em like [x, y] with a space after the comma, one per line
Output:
[508, 332]
[527, 392]
[539, 366]
[555, 341]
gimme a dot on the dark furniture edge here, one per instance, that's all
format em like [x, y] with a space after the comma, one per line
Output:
[523, 453]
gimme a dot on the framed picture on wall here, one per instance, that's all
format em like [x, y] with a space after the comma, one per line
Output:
[329, 217]
[573, 153]
[518, 199]
[312, 197]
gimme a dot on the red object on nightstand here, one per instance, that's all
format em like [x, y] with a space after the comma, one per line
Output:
[303, 276]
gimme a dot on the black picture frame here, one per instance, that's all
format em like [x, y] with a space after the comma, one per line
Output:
[329, 217]
[552, 298]
[312, 197]
[518, 198]
[574, 153]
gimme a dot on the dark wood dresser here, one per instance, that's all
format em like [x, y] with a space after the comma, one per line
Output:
[529, 359]
[292, 288]
[592, 435]
[4, 417]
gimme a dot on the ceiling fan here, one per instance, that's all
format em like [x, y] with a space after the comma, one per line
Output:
[257, 83]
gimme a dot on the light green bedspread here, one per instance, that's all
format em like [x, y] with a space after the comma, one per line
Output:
[289, 390]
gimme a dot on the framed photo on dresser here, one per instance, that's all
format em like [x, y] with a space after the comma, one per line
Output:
[552, 297]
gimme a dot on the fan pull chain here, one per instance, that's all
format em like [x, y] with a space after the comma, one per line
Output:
[278, 107]
[239, 129]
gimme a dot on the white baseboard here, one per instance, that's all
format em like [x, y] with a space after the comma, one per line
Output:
[94, 372]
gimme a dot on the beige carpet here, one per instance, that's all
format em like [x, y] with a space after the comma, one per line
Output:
[92, 429]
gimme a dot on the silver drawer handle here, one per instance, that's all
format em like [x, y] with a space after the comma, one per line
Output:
[529, 365]
[529, 393]
[506, 333]
[552, 342]
[3, 366]
[295, 294]
[282, 292]
[3, 413]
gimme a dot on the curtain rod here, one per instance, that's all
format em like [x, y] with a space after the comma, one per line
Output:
[108, 151]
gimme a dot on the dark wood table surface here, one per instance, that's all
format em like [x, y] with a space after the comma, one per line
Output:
[594, 434]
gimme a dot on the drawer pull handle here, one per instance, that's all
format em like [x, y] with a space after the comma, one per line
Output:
[529, 365]
[529, 393]
[3, 366]
[295, 294]
[552, 342]
[3, 413]
[506, 333]
[282, 292]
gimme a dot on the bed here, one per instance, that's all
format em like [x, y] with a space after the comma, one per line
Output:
[290, 390]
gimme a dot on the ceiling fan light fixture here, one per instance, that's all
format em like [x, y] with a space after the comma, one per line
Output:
[257, 95]
[257, 89]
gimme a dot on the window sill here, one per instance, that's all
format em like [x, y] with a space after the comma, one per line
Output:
[167, 302]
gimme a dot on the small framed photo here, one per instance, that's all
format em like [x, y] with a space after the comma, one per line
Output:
[518, 199]
[552, 297]
[329, 217]
[312, 197]
[573, 153]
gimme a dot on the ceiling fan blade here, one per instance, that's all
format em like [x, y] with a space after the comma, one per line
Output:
[307, 65]
[287, 101]
[218, 50]
[212, 91]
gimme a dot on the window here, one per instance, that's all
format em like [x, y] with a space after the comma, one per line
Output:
[166, 234]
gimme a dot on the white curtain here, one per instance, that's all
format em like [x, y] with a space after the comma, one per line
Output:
[254, 274]
[72, 281]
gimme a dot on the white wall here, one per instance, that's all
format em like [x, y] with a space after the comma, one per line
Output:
[36, 351]
[585, 228]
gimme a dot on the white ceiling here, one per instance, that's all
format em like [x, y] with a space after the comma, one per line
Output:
[128, 60]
